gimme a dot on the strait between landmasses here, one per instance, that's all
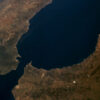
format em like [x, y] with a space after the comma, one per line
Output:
[76, 82]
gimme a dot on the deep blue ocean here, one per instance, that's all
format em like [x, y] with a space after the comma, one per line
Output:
[61, 34]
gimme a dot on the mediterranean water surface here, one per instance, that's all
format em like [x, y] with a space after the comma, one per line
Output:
[61, 34]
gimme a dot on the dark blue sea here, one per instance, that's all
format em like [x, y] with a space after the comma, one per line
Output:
[61, 34]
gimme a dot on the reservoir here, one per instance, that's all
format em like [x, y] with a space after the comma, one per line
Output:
[61, 34]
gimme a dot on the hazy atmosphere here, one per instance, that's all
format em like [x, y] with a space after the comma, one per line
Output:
[49, 50]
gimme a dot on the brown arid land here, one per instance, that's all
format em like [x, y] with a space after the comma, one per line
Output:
[14, 21]
[78, 82]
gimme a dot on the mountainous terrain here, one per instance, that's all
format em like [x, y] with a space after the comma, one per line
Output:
[78, 82]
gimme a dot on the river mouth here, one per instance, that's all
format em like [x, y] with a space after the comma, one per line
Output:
[61, 34]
